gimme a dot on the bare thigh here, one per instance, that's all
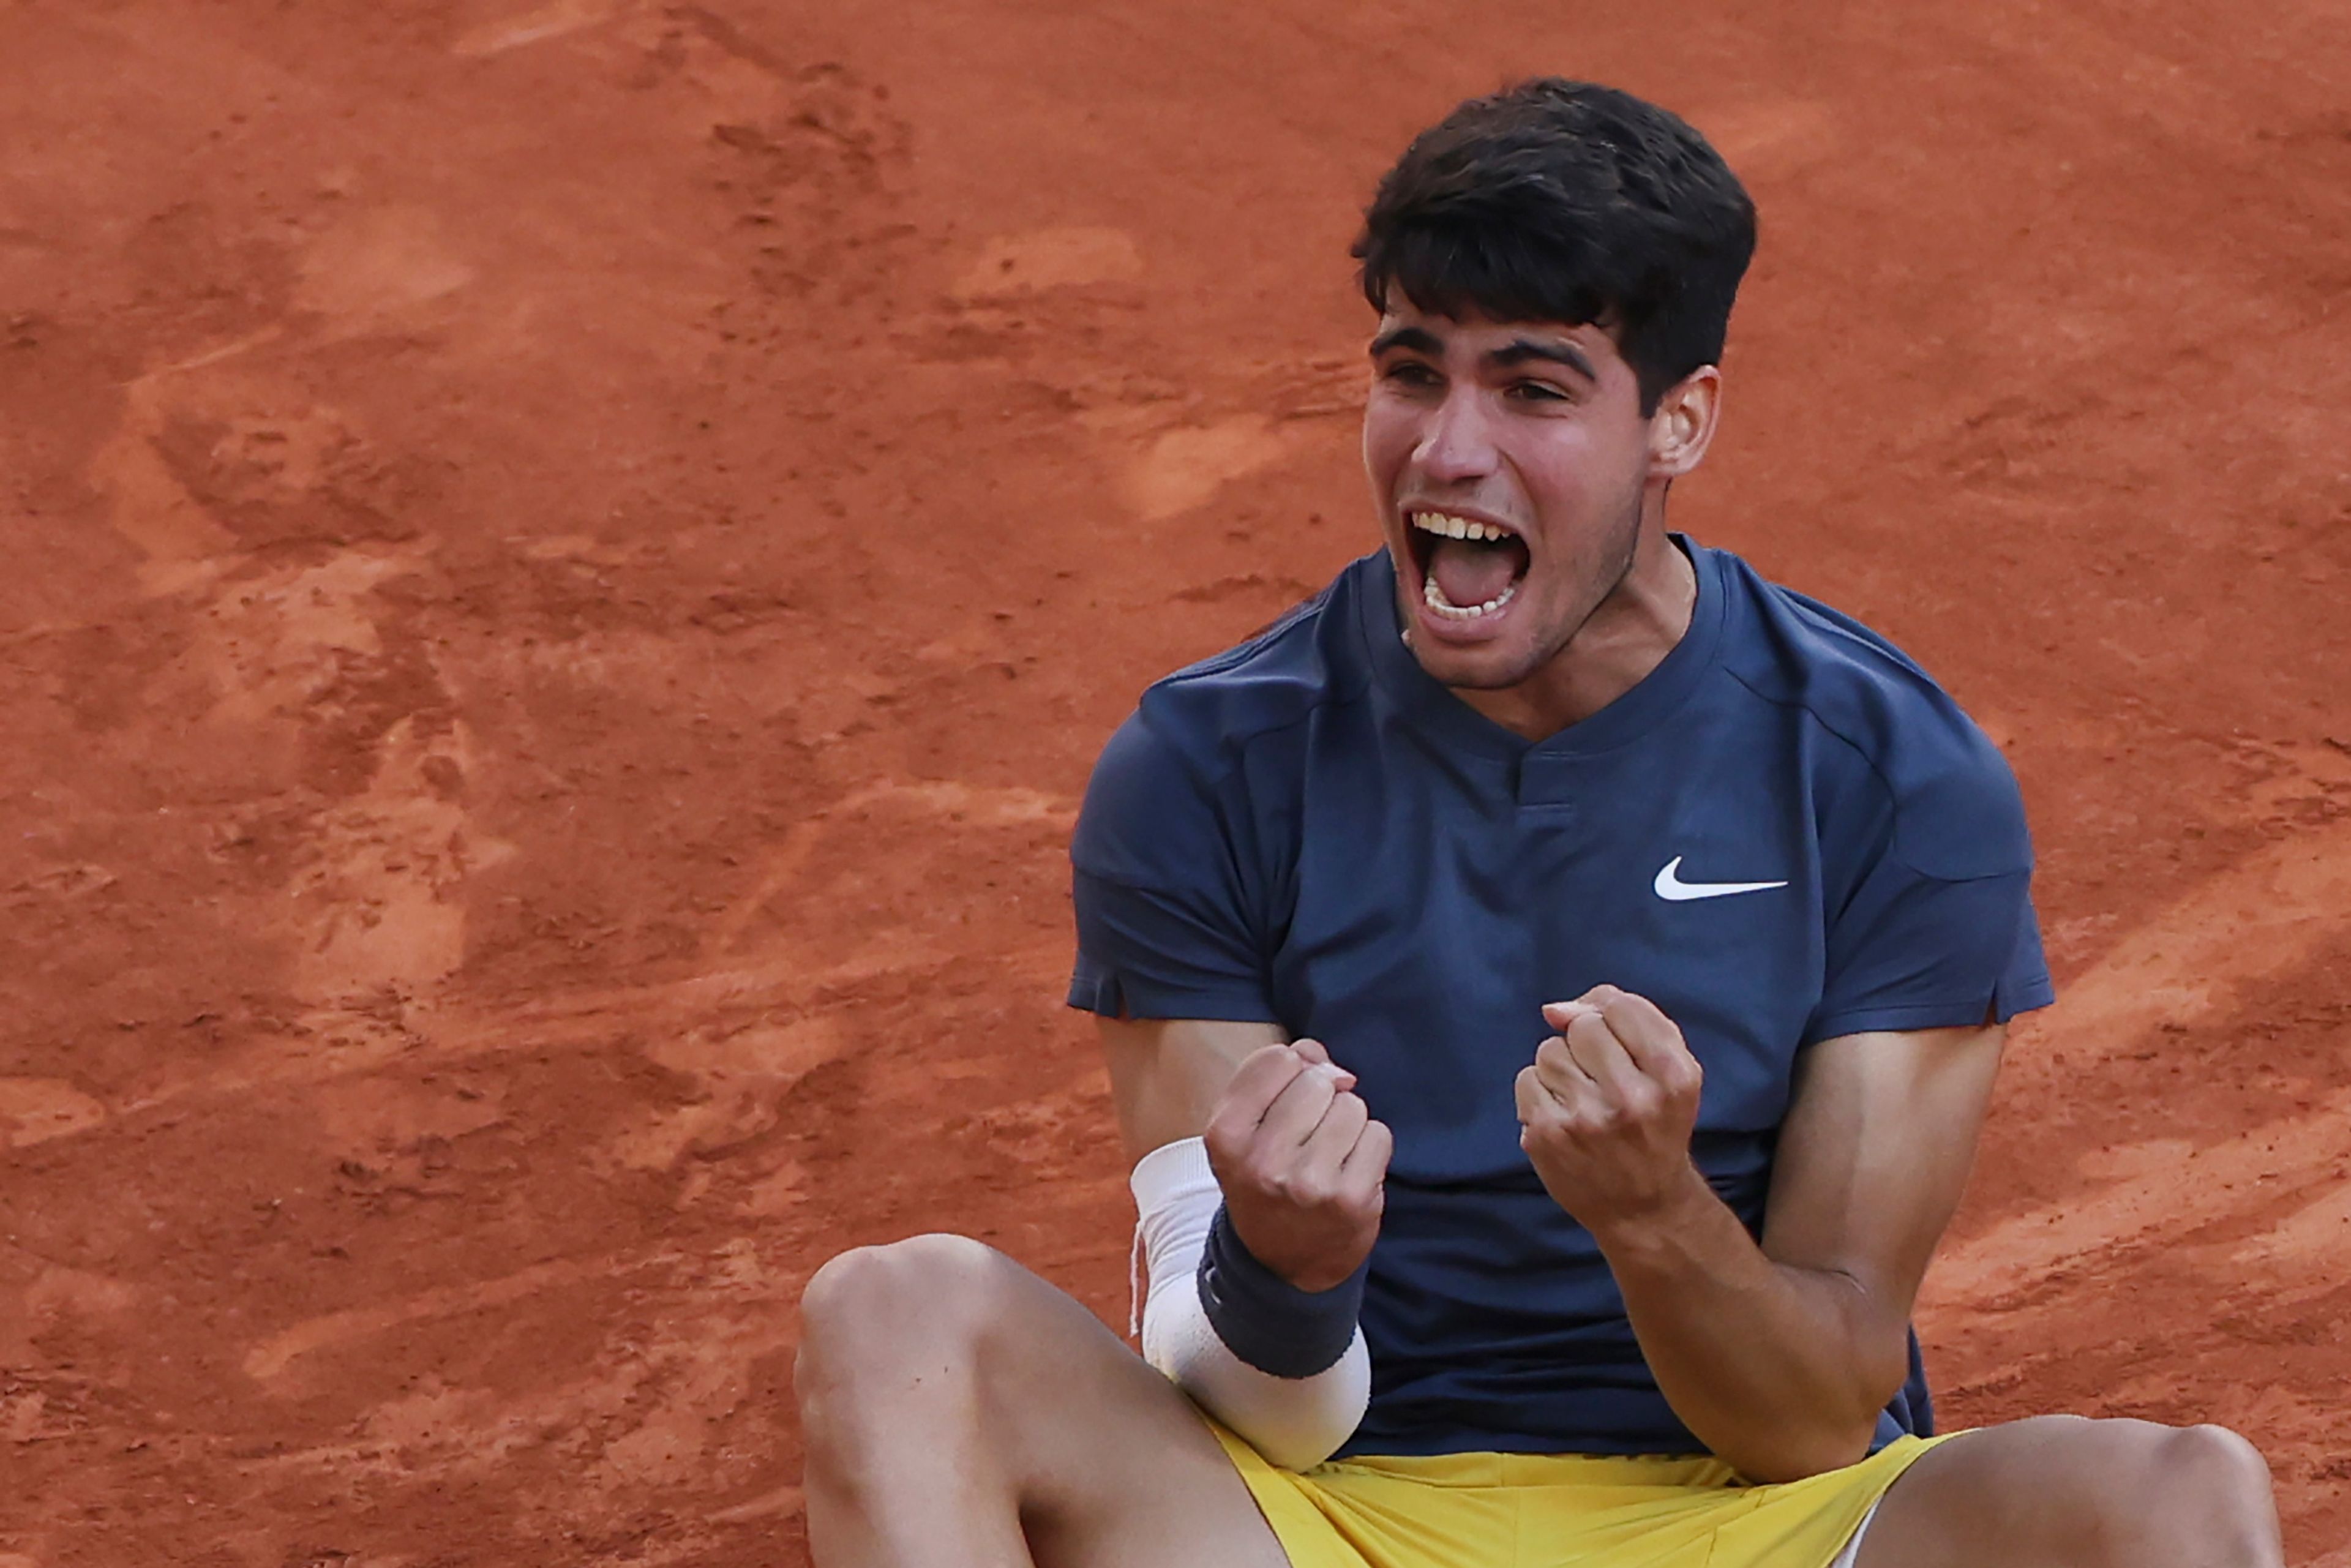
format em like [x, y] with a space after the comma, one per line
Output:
[2062, 1491]
[960, 1410]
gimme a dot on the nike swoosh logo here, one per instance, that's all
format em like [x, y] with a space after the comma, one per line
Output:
[1674, 890]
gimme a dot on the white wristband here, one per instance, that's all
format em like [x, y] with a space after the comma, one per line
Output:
[1295, 1422]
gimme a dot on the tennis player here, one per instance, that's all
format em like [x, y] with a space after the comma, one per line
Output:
[1552, 982]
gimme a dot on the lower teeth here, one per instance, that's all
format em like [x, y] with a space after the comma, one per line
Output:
[1433, 596]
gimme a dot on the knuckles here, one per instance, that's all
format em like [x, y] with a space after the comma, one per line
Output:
[1300, 1191]
[1314, 1195]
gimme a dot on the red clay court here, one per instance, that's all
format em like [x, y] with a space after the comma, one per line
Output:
[565, 568]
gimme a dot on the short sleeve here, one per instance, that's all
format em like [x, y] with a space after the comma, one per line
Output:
[1913, 952]
[1951, 946]
[1168, 921]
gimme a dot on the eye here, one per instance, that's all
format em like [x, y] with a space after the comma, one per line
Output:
[1539, 391]
[1410, 373]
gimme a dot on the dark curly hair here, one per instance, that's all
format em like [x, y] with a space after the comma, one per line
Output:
[1562, 201]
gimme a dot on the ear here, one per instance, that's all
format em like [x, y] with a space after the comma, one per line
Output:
[1683, 426]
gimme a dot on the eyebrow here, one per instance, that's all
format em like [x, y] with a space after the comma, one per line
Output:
[1421, 341]
[1525, 348]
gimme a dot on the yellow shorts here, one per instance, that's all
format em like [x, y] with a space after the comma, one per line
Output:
[1536, 1510]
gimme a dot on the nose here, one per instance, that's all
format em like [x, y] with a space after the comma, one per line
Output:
[1457, 445]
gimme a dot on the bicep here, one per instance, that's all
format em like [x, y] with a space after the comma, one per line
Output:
[1881, 1130]
[1165, 1074]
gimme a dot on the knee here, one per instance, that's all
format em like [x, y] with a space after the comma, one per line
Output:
[2189, 1495]
[2210, 1480]
[873, 1312]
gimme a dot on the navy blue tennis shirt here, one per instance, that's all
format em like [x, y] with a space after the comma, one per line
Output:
[1786, 832]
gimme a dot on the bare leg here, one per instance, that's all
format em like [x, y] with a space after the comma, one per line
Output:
[958, 1410]
[2059, 1492]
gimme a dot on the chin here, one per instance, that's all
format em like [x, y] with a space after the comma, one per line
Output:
[1482, 669]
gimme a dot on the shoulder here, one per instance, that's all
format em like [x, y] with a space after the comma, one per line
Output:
[1956, 811]
[1201, 748]
[1206, 717]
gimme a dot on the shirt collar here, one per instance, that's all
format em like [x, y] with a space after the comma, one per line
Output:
[1430, 707]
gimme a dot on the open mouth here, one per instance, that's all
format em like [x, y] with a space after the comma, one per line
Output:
[1469, 568]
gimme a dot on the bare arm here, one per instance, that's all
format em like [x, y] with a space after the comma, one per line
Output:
[1780, 1355]
[1166, 1074]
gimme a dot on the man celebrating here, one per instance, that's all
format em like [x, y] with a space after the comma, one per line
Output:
[1668, 922]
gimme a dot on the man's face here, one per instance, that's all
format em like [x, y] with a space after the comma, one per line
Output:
[1527, 436]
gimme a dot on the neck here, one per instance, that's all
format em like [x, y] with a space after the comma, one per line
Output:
[1627, 635]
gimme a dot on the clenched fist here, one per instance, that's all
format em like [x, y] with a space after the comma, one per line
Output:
[1301, 1164]
[1606, 1111]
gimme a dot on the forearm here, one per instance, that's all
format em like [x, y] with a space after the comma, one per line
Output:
[1296, 1415]
[1781, 1371]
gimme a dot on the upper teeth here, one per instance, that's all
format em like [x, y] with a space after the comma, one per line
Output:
[1453, 528]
